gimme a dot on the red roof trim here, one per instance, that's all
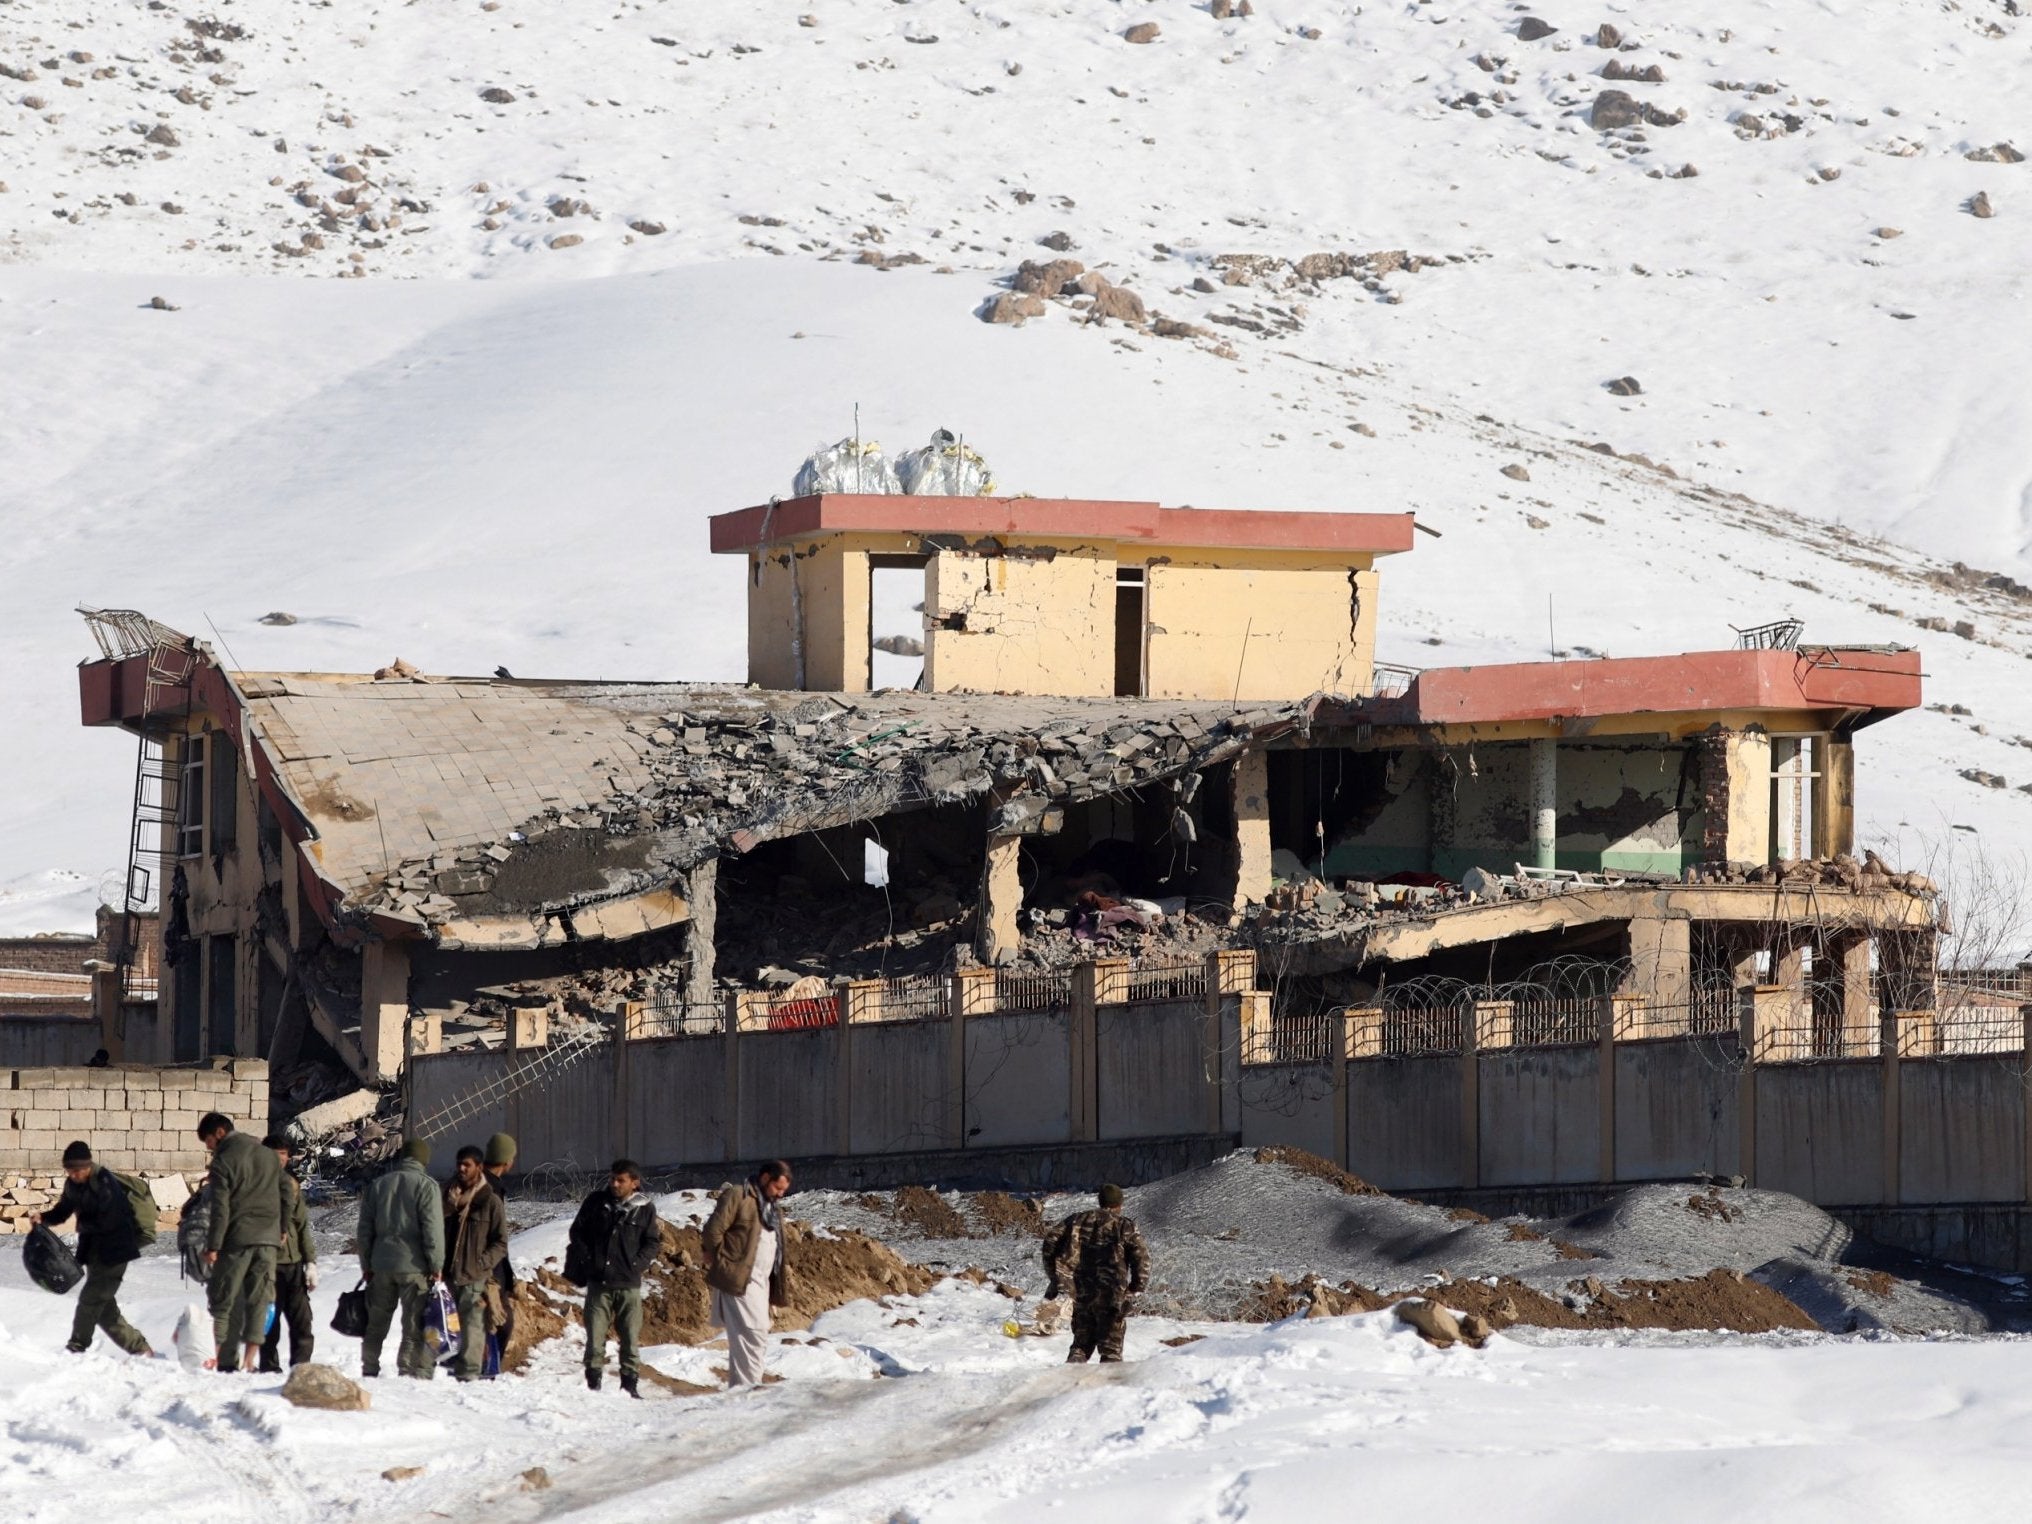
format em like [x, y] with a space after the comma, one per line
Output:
[1814, 678]
[1224, 528]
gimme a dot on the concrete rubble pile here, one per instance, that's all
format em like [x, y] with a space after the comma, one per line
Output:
[740, 768]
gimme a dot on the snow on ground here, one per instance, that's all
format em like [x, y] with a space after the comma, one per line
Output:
[925, 1411]
[498, 447]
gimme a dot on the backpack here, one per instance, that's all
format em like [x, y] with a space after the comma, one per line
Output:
[192, 1232]
[142, 1200]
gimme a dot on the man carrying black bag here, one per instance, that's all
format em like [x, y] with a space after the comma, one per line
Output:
[109, 1239]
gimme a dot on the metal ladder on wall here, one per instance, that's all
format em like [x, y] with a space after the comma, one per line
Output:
[537, 1068]
[123, 634]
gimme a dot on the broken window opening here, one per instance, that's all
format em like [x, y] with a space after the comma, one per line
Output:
[1129, 632]
[221, 994]
[191, 799]
[896, 596]
[1795, 767]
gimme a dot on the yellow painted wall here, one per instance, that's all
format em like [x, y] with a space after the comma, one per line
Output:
[831, 596]
[1295, 611]
[1032, 624]
[1749, 767]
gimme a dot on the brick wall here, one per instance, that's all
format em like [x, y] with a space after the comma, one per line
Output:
[137, 1118]
[48, 955]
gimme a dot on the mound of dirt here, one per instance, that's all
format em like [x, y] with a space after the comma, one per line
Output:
[1318, 1168]
[1721, 1300]
[1000, 1212]
[825, 1273]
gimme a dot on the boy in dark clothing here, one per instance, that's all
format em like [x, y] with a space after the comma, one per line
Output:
[614, 1241]
[108, 1241]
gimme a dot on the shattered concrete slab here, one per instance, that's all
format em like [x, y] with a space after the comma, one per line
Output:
[491, 813]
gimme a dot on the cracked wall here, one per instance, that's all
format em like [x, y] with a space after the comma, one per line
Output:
[1028, 623]
[1258, 624]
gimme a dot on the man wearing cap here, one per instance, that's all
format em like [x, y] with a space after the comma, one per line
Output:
[108, 1241]
[402, 1252]
[241, 1239]
[1098, 1256]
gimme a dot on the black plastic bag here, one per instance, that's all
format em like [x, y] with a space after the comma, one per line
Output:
[351, 1317]
[578, 1264]
[191, 1233]
[51, 1265]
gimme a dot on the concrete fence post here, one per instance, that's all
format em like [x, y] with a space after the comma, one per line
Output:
[2025, 1097]
[843, 1069]
[1082, 1057]
[1888, 1044]
[1610, 1015]
[1340, 1033]
[1750, 1036]
[1210, 1037]
[1471, 1097]
[731, 1104]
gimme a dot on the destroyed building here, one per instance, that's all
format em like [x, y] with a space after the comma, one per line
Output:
[1148, 756]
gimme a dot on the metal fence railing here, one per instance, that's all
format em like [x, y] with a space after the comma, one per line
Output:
[1418, 1031]
[1152, 981]
[1292, 1037]
[1049, 990]
[675, 1017]
[1555, 1023]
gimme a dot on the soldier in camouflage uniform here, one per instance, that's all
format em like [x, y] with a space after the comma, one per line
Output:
[1099, 1257]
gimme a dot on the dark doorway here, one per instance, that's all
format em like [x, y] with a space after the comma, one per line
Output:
[1129, 632]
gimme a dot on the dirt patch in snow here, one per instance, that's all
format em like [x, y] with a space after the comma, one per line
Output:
[825, 1273]
[1720, 1300]
[1000, 1212]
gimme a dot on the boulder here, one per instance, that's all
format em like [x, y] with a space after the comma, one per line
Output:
[320, 1386]
[1531, 28]
[1049, 278]
[1142, 31]
[1435, 1324]
[1012, 307]
[1613, 109]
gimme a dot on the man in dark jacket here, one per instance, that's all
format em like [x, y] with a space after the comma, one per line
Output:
[402, 1253]
[476, 1239]
[108, 1241]
[614, 1241]
[295, 1269]
[242, 1239]
[1100, 1258]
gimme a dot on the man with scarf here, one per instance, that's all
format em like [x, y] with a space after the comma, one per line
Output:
[745, 1267]
[614, 1240]
[476, 1241]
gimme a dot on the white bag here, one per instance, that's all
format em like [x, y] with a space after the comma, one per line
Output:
[944, 468]
[856, 466]
[195, 1350]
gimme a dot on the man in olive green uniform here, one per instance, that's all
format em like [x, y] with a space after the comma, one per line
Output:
[295, 1269]
[241, 1243]
[1098, 1256]
[402, 1251]
[476, 1241]
[108, 1241]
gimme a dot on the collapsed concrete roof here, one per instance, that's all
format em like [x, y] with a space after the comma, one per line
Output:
[499, 813]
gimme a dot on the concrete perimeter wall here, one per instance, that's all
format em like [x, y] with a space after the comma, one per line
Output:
[1845, 1133]
[36, 1042]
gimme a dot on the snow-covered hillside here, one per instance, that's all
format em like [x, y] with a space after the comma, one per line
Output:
[515, 469]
